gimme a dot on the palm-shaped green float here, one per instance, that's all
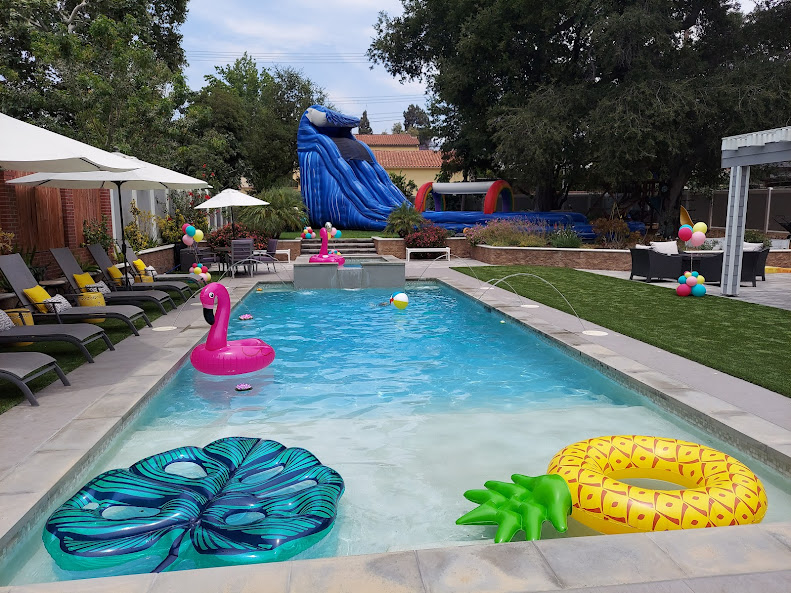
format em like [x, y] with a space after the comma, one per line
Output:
[523, 505]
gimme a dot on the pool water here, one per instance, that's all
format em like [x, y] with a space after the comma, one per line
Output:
[411, 407]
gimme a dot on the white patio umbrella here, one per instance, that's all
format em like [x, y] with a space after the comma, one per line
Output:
[26, 147]
[228, 198]
[145, 177]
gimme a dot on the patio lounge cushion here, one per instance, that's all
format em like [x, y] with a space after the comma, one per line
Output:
[752, 246]
[37, 295]
[139, 265]
[59, 303]
[83, 280]
[98, 287]
[5, 321]
[115, 274]
[665, 247]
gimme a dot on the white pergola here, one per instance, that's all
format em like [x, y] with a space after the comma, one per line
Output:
[739, 153]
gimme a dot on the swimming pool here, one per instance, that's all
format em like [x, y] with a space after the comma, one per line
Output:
[411, 407]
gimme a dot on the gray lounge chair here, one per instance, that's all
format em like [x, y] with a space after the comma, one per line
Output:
[21, 367]
[69, 266]
[78, 334]
[102, 260]
[19, 277]
[191, 278]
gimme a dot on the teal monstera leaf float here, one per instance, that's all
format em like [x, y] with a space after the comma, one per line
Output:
[237, 500]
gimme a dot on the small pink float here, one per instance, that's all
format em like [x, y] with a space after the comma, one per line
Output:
[324, 257]
[218, 356]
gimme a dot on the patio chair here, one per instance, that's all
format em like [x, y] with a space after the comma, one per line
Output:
[754, 265]
[242, 255]
[72, 270]
[270, 257]
[19, 277]
[102, 260]
[78, 334]
[22, 367]
[194, 279]
[653, 265]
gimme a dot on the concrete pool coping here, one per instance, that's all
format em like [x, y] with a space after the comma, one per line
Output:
[54, 443]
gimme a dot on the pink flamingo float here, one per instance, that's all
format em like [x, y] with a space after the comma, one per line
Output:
[218, 356]
[324, 257]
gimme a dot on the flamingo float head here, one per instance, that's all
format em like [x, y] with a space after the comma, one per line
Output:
[208, 298]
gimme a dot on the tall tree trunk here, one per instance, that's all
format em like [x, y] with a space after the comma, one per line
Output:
[545, 196]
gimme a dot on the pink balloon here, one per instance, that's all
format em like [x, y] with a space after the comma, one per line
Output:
[683, 290]
[187, 240]
[685, 233]
[697, 239]
[692, 281]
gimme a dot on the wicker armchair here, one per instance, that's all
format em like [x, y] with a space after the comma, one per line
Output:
[653, 265]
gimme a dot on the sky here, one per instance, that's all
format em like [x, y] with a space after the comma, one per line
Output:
[326, 40]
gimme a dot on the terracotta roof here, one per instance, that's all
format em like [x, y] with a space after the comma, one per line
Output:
[388, 139]
[408, 159]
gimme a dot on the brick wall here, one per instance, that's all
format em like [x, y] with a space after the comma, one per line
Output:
[459, 247]
[394, 247]
[163, 258]
[591, 259]
[293, 245]
[780, 258]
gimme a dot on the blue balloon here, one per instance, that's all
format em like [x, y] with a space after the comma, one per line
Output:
[191, 231]
[682, 279]
[687, 226]
[698, 290]
[338, 235]
[696, 274]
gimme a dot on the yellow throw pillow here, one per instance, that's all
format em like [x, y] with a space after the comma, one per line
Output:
[139, 266]
[37, 295]
[115, 274]
[83, 280]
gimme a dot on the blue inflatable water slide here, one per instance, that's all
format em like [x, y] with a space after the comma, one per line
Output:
[343, 183]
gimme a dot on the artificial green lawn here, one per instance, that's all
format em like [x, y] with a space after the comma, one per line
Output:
[344, 234]
[752, 342]
[68, 356]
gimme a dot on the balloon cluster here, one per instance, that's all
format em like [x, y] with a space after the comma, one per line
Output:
[335, 233]
[191, 234]
[308, 233]
[335, 252]
[201, 270]
[695, 235]
[691, 283]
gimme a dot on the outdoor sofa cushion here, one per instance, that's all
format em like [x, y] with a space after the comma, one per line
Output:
[665, 247]
[639, 246]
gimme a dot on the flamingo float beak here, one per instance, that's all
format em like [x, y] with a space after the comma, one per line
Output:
[208, 315]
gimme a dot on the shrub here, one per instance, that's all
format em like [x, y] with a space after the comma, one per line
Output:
[181, 209]
[404, 220]
[6, 242]
[565, 237]
[429, 235]
[753, 236]
[97, 231]
[137, 231]
[614, 233]
[285, 212]
[508, 232]
[222, 237]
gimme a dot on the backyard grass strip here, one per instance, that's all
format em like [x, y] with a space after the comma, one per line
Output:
[68, 357]
[745, 340]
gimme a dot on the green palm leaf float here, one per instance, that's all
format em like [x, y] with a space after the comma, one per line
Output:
[237, 500]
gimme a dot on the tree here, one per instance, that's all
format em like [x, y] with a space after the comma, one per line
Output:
[605, 94]
[243, 123]
[365, 124]
[285, 212]
[417, 123]
[398, 128]
[405, 185]
[103, 72]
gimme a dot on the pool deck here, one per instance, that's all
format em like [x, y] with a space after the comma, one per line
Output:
[48, 448]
